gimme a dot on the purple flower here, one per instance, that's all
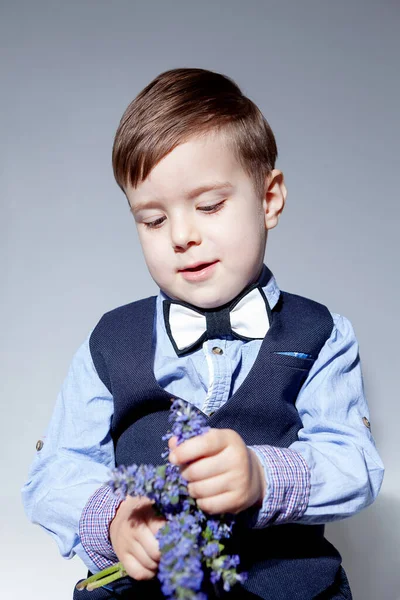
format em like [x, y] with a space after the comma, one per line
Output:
[186, 421]
[190, 540]
[211, 549]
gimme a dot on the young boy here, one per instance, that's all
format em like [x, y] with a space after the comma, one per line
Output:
[278, 375]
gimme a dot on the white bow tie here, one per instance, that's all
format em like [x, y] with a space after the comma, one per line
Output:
[246, 317]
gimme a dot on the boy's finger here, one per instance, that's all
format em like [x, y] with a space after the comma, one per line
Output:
[149, 544]
[156, 524]
[143, 556]
[214, 486]
[222, 503]
[197, 447]
[135, 569]
[172, 442]
[211, 466]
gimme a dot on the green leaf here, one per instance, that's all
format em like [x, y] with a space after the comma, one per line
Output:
[161, 470]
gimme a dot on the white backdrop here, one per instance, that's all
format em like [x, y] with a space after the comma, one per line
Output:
[325, 74]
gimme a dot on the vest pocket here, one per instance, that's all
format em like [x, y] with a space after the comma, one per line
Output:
[288, 360]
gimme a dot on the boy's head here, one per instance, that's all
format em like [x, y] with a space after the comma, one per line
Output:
[196, 159]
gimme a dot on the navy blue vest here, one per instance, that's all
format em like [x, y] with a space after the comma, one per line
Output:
[284, 562]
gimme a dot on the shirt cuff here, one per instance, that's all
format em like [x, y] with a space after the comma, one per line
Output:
[288, 485]
[94, 527]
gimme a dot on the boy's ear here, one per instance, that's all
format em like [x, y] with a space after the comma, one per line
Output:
[274, 197]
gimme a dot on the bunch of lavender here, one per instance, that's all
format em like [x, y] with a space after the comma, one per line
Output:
[190, 542]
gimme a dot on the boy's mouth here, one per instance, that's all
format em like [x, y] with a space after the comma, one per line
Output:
[197, 267]
[198, 271]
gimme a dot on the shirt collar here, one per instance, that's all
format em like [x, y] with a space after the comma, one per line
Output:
[266, 280]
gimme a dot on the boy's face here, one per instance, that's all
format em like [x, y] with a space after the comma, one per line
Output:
[202, 227]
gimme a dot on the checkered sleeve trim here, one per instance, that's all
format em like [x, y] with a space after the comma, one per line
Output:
[288, 485]
[94, 525]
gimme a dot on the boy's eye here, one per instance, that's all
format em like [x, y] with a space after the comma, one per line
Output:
[212, 207]
[154, 224]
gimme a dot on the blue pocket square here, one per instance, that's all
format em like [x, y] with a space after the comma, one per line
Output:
[295, 354]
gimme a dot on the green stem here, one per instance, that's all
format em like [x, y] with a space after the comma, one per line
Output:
[105, 581]
[102, 577]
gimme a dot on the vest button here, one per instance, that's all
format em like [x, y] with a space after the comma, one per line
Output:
[217, 350]
[39, 445]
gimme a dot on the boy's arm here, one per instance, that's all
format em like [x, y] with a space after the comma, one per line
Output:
[74, 461]
[334, 469]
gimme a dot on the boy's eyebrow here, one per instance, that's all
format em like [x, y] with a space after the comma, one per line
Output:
[138, 206]
[201, 189]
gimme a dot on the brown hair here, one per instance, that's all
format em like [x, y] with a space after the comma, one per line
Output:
[182, 103]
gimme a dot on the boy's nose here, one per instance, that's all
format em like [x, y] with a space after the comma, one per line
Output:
[184, 234]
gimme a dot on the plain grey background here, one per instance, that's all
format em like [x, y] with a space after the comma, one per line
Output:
[326, 76]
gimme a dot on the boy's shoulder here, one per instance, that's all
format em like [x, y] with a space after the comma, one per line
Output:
[302, 305]
[130, 307]
[118, 320]
[299, 299]
[339, 326]
[300, 313]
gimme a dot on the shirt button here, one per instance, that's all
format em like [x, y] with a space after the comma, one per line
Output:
[366, 422]
[39, 445]
[217, 350]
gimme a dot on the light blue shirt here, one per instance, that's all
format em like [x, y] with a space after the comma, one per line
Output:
[346, 470]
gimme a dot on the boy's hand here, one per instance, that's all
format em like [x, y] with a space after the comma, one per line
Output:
[223, 474]
[132, 535]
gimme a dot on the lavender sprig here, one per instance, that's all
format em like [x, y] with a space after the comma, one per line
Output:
[186, 422]
[190, 541]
